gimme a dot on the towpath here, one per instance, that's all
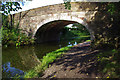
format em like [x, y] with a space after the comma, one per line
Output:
[78, 62]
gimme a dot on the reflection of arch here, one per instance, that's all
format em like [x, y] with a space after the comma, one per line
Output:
[28, 57]
[63, 17]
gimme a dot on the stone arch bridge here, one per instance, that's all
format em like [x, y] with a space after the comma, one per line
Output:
[45, 23]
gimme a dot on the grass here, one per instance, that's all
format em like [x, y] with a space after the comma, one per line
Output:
[88, 40]
[49, 58]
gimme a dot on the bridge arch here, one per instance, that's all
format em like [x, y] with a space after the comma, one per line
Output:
[61, 20]
[94, 16]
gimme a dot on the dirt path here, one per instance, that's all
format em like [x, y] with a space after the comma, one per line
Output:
[79, 62]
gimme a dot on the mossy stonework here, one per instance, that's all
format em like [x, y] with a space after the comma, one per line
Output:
[94, 16]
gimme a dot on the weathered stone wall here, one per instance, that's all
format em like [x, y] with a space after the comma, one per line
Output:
[93, 16]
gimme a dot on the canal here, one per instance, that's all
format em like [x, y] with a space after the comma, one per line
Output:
[20, 60]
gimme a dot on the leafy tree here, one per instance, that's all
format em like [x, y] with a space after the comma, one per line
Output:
[112, 8]
[7, 8]
[67, 5]
[10, 6]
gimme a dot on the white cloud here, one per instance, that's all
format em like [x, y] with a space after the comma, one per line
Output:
[39, 3]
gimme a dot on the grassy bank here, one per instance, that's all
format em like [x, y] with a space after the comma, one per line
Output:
[45, 62]
[48, 58]
[11, 34]
[110, 63]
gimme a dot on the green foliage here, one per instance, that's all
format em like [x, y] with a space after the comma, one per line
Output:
[49, 58]
[13, 37]
[67, 5]
[113, 8]
[88, 40]
[79, 32]
[8, 7]
[110, 63]
[10, 33]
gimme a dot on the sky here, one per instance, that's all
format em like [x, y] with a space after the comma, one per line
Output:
[30, 4]
[26, 5]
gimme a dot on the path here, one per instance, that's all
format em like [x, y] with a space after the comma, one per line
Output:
[79, 62]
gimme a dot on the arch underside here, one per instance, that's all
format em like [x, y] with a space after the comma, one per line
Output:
[51, 31]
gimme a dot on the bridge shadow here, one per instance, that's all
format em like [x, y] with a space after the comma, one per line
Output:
[81, 60]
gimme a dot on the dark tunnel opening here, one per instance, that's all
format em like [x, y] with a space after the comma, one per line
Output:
[52, 31]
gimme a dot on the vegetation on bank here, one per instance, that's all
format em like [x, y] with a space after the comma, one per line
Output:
[14, 37]
[76, 31]
[109, 63]
[11, 34]
[45, 62]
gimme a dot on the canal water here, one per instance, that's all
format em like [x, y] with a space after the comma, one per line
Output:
[20, 60]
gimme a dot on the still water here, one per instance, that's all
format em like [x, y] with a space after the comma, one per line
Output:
[19, 60]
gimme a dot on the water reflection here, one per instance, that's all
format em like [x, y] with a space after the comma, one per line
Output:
[70, 44]
[75, 43]
[28, 57]
[9, 71]
[19, 60]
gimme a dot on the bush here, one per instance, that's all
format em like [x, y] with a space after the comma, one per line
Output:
[13, 37]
